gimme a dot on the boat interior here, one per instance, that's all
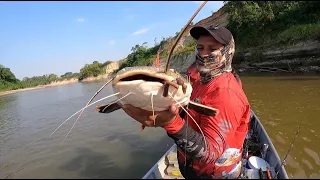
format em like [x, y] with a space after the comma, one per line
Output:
[260, 160]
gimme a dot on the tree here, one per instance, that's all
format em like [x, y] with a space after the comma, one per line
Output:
[66, 75]
[7, 75]
[95, 69]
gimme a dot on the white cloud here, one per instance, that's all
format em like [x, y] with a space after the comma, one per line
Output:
[111, 42]
[141, 31]
[80, 20]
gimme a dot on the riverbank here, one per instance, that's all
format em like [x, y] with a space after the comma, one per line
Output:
[55, 83]
[98, 78]
[58, 83]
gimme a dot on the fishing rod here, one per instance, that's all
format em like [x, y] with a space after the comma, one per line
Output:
[180, 35]
[283, 163]
[165, 69]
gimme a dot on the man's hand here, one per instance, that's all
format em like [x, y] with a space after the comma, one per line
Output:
[160, 118]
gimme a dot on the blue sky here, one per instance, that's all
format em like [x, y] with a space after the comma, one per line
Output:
[39, 38]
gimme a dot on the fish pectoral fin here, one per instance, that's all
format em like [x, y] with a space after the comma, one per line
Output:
[202, 109]
[108, 108]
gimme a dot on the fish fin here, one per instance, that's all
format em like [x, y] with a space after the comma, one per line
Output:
[202, 109]
[108, 108]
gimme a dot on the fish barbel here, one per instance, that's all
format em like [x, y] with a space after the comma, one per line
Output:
[150, 88]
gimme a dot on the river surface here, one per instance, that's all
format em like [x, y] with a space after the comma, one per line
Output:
[112, 145]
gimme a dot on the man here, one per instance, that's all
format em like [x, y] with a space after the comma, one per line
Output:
[218, 153]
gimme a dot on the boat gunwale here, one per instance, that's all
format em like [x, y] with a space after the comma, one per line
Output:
[151, 170]
[256, 124]
[275, 152]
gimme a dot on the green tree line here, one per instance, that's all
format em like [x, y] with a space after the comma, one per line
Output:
[253, 24]
[8, 81]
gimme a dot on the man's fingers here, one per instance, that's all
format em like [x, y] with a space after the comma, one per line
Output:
[149, 123]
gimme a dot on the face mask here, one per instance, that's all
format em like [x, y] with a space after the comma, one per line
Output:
[216, 62]
[209, 62]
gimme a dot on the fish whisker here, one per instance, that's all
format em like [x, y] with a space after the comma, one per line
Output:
[205, 141]
[117, 100]
[83, 109]
[152, 94]
[79, 117]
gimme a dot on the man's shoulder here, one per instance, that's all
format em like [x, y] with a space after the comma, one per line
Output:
[227, 80]
[228, 87]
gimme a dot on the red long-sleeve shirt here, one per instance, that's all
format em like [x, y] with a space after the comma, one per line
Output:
[194, 75]
[224, 133]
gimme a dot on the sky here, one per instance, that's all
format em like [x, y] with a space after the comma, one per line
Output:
[38, 38]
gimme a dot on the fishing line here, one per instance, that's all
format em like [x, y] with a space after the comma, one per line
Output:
[290, 148]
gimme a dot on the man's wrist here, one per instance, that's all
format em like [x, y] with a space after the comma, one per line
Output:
[174, 126]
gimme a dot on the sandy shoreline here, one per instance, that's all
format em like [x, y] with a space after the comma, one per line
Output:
[98, 78]
[56, 83]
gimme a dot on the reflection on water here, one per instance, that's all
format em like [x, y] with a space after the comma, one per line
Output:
[280, 103]
[107, 145]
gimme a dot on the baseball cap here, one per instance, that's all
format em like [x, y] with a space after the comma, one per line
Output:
[221, 34]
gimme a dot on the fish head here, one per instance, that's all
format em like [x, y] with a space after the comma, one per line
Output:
[147, 85]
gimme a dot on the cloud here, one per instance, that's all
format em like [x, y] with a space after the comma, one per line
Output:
[80, 20]
[141, 31]
[111, 42]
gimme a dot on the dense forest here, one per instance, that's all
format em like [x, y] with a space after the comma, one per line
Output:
[253, 23]
[270, 23]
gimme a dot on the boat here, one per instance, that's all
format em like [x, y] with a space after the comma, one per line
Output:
[257, 140]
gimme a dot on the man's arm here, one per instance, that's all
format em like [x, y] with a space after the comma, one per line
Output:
[216, 129]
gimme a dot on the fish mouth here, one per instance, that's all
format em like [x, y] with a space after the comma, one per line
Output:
[147, 84]
[143, 77]
[152, 79]
[147, 75]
